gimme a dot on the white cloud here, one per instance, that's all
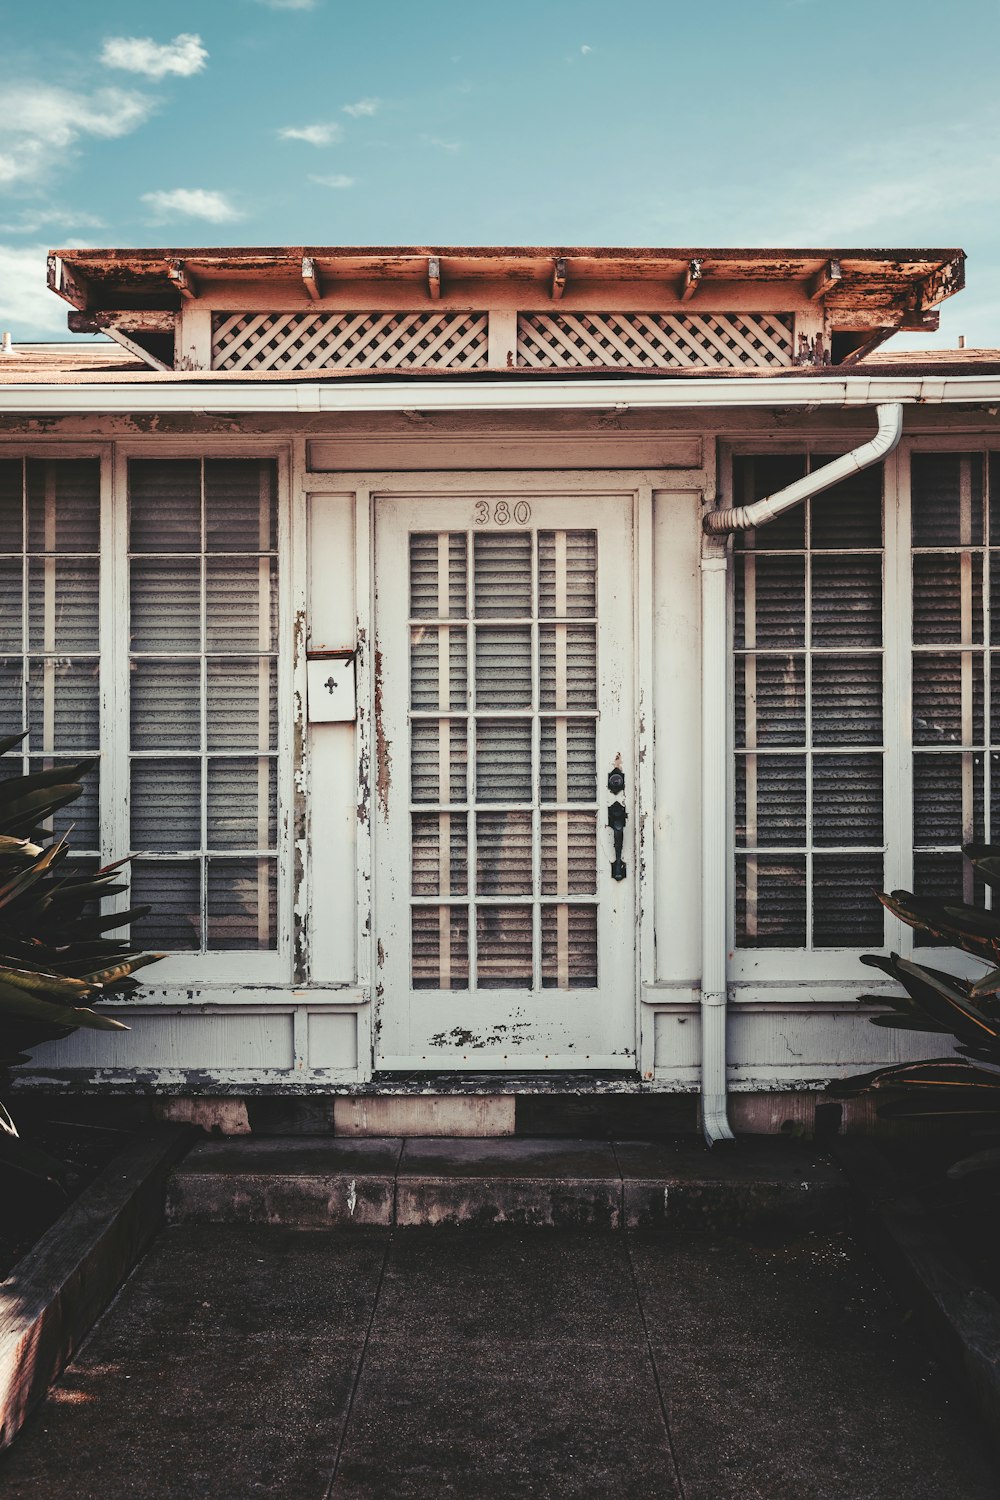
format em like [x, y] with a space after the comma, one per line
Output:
[289, 4]
[40, 120]
[363, 107]
[30, 221]
[191, 203]
[435, 140]
[183, 56]
[585, 49]
[313, 135]
[28, 309]
[336, 180]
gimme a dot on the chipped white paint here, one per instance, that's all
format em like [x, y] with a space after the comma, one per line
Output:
[352, 1196]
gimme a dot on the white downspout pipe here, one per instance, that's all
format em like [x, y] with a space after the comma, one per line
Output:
[715, 745]
[714, 837]
[744, 517]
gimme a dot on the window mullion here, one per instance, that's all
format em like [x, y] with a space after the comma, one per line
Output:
[898, 690]
[114, 670]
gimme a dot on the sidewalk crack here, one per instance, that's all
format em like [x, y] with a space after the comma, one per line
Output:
[360, 1366]
[656, 1373]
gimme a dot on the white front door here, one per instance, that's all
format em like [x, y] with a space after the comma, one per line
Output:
[505, 916]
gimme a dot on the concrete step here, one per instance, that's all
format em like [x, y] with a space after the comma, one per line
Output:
[319, 1181]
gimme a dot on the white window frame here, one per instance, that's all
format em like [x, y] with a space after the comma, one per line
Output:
[799, 974]
[250, 967]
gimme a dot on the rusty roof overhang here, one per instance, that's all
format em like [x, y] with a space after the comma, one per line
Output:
[872, 282]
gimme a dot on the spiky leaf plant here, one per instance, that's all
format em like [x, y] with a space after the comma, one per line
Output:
[964, 1087]
[58, 955]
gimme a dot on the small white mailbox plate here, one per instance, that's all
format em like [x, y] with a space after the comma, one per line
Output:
[332, 698]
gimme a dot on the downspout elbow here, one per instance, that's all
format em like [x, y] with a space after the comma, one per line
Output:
[746, 517]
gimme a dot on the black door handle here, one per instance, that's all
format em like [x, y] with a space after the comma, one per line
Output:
[617, 818]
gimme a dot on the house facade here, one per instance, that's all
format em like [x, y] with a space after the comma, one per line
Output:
[470, 722]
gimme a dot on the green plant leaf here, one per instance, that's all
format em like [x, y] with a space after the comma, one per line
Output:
[930, 916]
[987, 984]
[27, 813]
[11, 740]
[968, 1022]
[25, 879]
[41, 982]
[16, 787]
[123, 969]
[17, 850]
[28, 1007]
[970, 1166]
[903, 1020]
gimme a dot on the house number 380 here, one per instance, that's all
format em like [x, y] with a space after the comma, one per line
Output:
[502, 513]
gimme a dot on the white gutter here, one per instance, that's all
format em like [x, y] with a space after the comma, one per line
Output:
[213, 394]
[745, 517]
[714, 838]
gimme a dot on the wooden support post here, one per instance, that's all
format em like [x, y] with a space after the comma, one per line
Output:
[181, 278]
[125, 319]
[690, 281]
[311, 278]
[926, 320]
[502, 339]
[811, 342]
[558, 279]
[878, 337]
[194, 338]
[825, 280]
[434, 278]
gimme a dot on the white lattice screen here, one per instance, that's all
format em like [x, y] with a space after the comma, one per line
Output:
[654, 340]
[354, 341]
[460, 341]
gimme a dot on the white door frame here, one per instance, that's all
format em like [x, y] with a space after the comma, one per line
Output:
[640, 485]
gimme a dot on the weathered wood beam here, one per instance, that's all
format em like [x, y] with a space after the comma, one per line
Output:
[870, 344]
[434, 278]
[690, 281]
[825, 280]
[137, 349]
[944, 282]
[180, 277]
[67, 284]
[922, 322]
[126, 320]
[558, 279]
[311, 278]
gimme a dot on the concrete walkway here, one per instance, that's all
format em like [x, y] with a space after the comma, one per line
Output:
[245, 1360]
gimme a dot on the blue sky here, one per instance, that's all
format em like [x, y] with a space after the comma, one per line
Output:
[748, 122]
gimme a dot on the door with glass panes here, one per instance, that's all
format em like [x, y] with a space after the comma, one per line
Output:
[504, 874]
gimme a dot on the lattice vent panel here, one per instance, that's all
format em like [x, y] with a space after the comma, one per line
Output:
[647, 341]
[350, 341]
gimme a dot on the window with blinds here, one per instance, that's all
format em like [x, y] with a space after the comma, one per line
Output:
[956, 675]
[203, 704]
[808, 714]
[50, 527]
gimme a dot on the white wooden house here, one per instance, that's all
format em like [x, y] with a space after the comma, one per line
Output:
[455, 749]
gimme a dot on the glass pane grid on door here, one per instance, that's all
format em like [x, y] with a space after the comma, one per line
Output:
[204, 702]
[503, 711]
[808, 715]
